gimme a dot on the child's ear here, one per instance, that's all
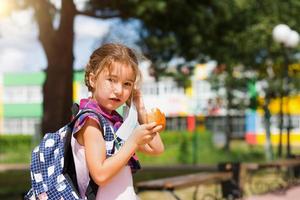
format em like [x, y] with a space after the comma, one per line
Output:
[92, 80]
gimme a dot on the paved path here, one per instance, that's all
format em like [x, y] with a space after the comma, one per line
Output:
[292, 193]
[7, 167]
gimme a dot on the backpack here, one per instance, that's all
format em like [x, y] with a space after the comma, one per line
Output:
[52, 167]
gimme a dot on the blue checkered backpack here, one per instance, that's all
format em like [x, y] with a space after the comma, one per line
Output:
[52, 166]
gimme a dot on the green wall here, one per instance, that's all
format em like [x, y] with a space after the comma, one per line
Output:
[15, 110]
[22, 110]
[20, 79]
[36, 78]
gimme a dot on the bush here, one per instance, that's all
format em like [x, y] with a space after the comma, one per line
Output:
[187, 148]
[15, 148]
[184, 149]
[181, 147]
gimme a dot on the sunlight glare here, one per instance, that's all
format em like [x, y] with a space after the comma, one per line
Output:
[4, 8]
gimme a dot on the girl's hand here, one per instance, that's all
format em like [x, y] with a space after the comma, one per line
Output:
[137, 98]
[144, 133]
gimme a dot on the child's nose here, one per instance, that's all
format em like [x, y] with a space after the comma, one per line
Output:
[118, 88]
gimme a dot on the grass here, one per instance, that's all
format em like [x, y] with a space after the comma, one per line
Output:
[14, 183]
[181, 147]
[15, 148]
[189, 148]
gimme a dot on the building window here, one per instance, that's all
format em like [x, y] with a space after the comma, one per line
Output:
[34, 94]
[21, 125]
[14, 94]
[22, 94]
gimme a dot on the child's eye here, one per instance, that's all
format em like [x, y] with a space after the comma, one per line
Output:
[110, 79]
[128, 84]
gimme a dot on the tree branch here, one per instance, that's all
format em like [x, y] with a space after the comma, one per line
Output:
[68, 11]
[101, 14]
[43, 14]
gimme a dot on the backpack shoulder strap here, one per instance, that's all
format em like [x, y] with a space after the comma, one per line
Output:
[76, 113]
[102, 120]
[92, 187]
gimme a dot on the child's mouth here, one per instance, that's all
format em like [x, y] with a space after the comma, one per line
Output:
[115, 99]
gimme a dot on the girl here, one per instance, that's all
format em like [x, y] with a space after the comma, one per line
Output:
[111, 76]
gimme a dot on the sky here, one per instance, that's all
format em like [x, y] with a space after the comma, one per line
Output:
[20, 49]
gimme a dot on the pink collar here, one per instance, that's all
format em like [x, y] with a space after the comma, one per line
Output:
[113, 117]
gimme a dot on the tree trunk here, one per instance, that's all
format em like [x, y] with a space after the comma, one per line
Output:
[228, 128]
[58, 47]
[57, 91]
[267, 116]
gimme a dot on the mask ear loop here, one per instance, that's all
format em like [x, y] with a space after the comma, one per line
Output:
[128, 105]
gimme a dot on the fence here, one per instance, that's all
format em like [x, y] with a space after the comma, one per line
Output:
[216, 124]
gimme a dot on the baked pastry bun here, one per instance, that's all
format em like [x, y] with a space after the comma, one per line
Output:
[155, 115]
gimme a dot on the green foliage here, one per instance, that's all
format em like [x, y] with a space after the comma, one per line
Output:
[13, 183]
[179, 149]
[8, 142]
[253, 95]
[184, 148]
[15, 148]
[232, 32]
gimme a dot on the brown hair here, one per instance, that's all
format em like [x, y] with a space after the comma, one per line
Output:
[107, 54]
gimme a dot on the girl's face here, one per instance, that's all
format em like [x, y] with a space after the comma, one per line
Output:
[112, 87]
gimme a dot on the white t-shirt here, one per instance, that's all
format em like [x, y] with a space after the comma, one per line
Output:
[119, 188]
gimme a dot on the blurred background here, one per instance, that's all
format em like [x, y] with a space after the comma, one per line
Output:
[225, 73]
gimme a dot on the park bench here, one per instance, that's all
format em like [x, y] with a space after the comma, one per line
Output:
[10, 167]
[274, 164]
[291, 165]
[179, 182]
[287, 174]
[231, 176]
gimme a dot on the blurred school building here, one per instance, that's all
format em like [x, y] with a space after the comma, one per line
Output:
[21, 99]
[186, 109]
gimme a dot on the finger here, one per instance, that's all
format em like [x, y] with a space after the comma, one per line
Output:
[157, 128]
[150, 125]
[149, 138]
[137, 90]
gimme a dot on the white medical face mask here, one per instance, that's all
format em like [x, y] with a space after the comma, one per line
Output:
[129, 124]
